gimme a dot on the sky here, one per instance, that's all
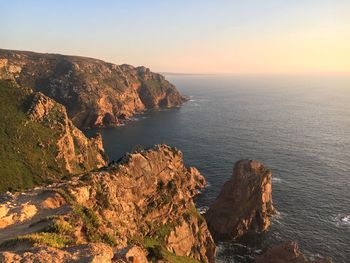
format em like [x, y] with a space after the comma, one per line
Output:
[187, 36]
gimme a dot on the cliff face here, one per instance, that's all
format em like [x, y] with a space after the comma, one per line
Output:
[38, 141]
[95, 93]
[141, 206]
[244, 204]
[76, 152]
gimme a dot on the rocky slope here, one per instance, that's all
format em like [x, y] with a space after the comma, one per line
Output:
[140, 206]
[287, 252]
[38, 143]
[95, 93]
[244, 204]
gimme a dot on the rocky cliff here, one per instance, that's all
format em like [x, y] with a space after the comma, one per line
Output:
[244, 204]
[38, 142]
[141, 206]
[95, 93]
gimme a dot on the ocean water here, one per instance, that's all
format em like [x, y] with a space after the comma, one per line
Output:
[298, 126]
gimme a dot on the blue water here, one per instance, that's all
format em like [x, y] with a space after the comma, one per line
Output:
[299, 126]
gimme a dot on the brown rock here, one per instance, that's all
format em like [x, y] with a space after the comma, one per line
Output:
[287, 252]
[74, 150]
[244, 204]
[94, 253]
[146, 196]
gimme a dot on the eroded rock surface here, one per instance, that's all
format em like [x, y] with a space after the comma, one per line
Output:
[287, 252]
[244, 204]
[95, 93]
[74, 149]
[39, 143]
[143, 201]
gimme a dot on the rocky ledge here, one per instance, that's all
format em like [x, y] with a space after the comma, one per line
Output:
[95, 93]
[139, 208]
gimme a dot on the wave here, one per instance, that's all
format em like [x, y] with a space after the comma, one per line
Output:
[278, 217]
[203, 209]
[276, 180]
[342, 220]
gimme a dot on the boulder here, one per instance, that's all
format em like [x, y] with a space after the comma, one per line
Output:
[287, 252]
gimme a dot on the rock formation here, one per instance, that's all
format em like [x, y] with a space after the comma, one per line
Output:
[140, 206]
[39, 143]
[244, 204]
[95, 93]
[287, 252]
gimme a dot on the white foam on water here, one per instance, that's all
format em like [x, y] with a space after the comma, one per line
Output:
[203, 209]
[342, 220]
[276, 180]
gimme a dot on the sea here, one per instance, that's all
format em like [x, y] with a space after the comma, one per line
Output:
[297, 125]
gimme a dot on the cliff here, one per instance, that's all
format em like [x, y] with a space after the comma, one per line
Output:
[95, 93]
[141, 206]
[39, 144]
[244, 204]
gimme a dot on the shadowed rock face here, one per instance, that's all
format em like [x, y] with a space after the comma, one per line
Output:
[95, 93]
[144, 200]
[287, 252]
[244, 204]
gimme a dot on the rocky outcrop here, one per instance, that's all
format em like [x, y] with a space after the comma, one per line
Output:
[39, 143]
[141, 205]
[76, 152]
[244, 204]
[287, 252]
[95, 93]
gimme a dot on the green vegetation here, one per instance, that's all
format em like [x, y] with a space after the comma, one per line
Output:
[193, 212]
[90, 221]
[155, 245]
[60, 227]
[27, 149]
[157, 252]
[35, 239]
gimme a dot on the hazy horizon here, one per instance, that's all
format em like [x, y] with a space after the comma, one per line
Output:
[184, 37]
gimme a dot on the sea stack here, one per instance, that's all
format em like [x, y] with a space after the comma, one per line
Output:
[287, 252]
[244, 204]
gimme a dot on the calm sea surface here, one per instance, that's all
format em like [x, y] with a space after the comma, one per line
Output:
[298, 126]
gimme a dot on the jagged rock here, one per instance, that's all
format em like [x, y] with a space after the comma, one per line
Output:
[287, 252]
[145, 199]
[74, 150]
[39, 144]
[95, 93]
[244, 204]
[41, 107]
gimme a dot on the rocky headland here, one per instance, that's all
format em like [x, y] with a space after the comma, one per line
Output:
[95, 93]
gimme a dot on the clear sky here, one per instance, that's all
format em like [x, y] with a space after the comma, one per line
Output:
[188, 36]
